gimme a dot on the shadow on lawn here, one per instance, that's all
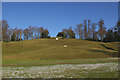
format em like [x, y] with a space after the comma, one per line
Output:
[112, 54]
[107, 47]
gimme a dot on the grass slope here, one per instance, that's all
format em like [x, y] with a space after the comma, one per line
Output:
[50, 49]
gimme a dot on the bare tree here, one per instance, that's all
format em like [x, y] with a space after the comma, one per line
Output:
[10, 32]
[30, 31]
[41, 29]
[71, 33]
[79, 30]
[38, 32]
[68, 33]
[93, 30]
[14, 34]
[35, 32]
[76, 32]
[20, 30]
[45, 33]
[26, 34]
[89, 29]
[18, 34]
[96, 36]
[85, 29]
[5, 27]
[102, 29]
[118, 30]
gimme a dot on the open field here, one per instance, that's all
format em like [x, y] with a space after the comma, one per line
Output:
[50, 49]
[28, 63]
[44, 58]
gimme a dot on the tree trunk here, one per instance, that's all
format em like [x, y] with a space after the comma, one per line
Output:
[35, 35]
[20, 36]
[93, 35]
[32, 35]
[101, 39]
[79, 35]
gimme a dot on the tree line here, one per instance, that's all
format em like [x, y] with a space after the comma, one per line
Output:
[93, 31]
[87, 30]
[32, 32]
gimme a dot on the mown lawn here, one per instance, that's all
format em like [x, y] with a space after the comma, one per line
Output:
[50, 49]
[48, 58]
[28, 63]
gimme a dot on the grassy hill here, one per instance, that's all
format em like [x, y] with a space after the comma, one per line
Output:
[50, 49]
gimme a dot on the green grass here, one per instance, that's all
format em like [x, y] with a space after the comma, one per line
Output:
[28, 63]
[81, 59]
[53, 52]
[113, 45]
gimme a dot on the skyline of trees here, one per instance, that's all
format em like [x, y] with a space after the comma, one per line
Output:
[87, 30]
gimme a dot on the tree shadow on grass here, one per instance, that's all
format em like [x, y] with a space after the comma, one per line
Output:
[107, 47]
[112, 54]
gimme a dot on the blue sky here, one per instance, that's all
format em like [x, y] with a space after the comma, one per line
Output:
[58, 15]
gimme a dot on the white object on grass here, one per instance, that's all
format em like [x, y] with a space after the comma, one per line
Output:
[65, 45]
[56, 38]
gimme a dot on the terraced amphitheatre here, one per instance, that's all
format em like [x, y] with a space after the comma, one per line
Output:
[47, 53]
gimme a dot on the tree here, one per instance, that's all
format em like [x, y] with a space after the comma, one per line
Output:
[66, 33]
[45, 33]
[0, 31]
[17, 34]
[26, 34]
[69, 33]
[78, 30]
[30, 31]
[85, 29]
[115, 34]
[35, 31]
[61, 34]
[89, 30]
[96, 36]
[10, 32]
[20, 30]
[13, 37]
[93, 30]
[109, 36]
[5, 27]
[41, 31]
[102, 29]
[118, 30]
